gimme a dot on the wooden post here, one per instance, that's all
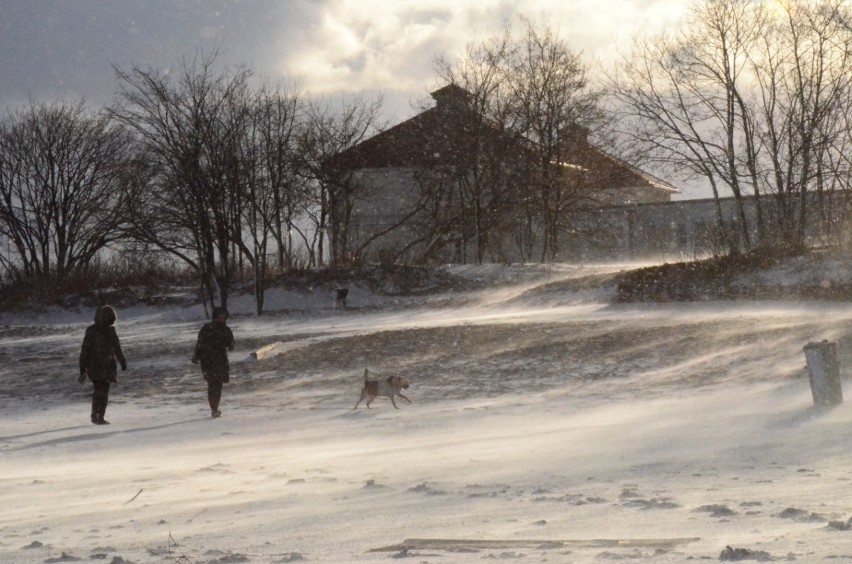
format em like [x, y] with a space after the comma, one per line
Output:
[823, 373]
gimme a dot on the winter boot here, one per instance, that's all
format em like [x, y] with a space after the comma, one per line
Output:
[214, 405]
[101, 411]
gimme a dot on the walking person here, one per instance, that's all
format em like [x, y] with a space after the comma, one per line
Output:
[215, 339]
[98, 356]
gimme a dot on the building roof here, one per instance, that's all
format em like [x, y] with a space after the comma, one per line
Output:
[440, 135]
[425, 139]
[443, 135]
[605, 169]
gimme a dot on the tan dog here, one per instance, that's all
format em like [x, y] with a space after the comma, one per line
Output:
[389, 387]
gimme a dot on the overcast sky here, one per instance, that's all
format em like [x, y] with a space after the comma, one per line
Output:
[66, 48]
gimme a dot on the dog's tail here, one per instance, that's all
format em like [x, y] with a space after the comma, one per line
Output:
[366, 374]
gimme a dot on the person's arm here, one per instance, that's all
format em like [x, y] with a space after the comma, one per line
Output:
[118, 354]
[196, 356]
[84, 356]
[84, 351]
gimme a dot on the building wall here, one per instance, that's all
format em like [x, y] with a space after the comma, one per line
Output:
[387, 194]
[687, 229]
[670, 231]
[632, 229]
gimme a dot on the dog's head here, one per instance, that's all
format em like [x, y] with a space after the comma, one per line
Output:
[402, 382]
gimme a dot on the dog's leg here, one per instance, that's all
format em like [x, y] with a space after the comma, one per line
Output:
[403, 397]
[394, 403]
[363, 392]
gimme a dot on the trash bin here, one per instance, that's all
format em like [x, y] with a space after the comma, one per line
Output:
[823, 373]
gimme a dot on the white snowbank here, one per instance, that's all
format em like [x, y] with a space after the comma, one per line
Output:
[536, 417]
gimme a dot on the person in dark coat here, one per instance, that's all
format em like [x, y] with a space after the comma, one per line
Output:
[215, 339]
[100, 350]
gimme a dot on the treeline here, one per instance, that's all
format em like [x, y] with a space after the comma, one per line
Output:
[222, 176]
[231, 179]
[755, 100]
[752, 99]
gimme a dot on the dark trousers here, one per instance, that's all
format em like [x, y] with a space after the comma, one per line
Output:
[100, 398]
[214, 393]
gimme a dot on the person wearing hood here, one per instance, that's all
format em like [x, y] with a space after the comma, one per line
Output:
[215, 339]
[101, 349]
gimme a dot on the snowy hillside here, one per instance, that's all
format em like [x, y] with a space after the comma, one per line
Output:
[547, 425]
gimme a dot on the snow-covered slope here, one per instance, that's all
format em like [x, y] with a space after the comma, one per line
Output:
[547, 425]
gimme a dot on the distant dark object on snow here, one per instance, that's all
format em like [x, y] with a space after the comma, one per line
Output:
[737, 554]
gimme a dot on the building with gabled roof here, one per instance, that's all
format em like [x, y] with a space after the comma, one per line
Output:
[394, 167]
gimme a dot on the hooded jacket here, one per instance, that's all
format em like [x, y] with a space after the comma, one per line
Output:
[101, 348]
[211, 349]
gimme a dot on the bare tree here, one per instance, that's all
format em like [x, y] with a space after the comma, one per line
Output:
[280, 118]
[808, 88]
[553, 106]
[65, 186]
[484, 142]
[329, 131]
[271, 190]
[747, 98]
[531, 100]
[192, 126]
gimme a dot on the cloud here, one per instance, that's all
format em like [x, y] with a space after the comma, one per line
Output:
[360, 44]
[355, 45]
[59, 49]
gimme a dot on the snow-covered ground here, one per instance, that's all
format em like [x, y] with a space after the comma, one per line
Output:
[547, 425]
